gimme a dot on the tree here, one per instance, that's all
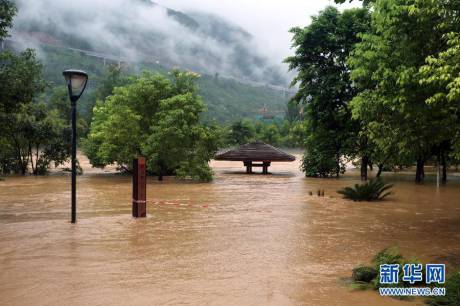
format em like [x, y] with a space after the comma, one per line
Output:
[325, 88]
[7, 12]
[112, 77]
[30, 135]
[365, 2]
[385, 68]
[441, 73]
[38, 135]
[20, 79]
[241, 132]
[178, 141]
[156, 117]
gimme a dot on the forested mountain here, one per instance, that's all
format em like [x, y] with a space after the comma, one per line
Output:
[144, 31]
[139, 34]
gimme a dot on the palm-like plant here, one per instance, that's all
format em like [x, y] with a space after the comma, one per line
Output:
[373, 190]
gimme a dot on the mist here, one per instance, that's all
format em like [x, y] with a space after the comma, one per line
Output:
[140, 31]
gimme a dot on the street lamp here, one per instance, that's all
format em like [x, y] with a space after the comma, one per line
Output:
[76, 83]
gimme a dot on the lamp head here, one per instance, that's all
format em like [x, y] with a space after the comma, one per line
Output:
[76, 82]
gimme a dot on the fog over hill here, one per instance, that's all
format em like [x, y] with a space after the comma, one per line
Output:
[143, 31]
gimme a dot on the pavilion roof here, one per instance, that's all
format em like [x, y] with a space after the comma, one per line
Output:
[255, 151]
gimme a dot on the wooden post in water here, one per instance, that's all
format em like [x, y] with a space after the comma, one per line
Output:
[248, 165]
[265, 166]
[139, 188]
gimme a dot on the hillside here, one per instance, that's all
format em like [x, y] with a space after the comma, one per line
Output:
[226, 99]
[141, 31]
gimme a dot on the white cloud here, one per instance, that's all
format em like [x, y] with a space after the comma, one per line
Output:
[268, 20]
[111, 26]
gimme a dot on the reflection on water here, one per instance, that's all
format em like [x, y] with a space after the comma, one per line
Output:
[241, 240]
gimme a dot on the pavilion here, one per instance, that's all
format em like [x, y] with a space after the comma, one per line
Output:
[256, 154]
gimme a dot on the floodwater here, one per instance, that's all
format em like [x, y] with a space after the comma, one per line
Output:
[240, 240]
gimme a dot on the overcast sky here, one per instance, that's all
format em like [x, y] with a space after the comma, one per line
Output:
[268, 20]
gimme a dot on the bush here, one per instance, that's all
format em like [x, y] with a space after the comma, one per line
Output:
[452, 296]
[387, 256]
[373, 190]
[364, 274]
[369, 275]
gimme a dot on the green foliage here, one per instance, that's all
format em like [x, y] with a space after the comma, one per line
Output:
[372, 190]
[364, 274]
[442, 73]
[36, 138]
[392, 255]
[452, 296]
[241, 132]
[7, 12]
[317, 164]
[367, 277]
[227, 100]
[112, 77]
[178, 141]
[388, 256]
[20, 79]
[277, 133]
[33, 134]
[325, 88]
[386, 69]
[156, 117]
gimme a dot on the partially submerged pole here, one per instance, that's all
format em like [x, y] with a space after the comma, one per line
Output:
[139, 188]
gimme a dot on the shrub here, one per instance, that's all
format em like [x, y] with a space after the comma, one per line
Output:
[373, 190]
[452, 296]
[367, 277]
[387, 256]
[364, 274]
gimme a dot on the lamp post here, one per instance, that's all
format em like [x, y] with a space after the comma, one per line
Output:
[76, 83]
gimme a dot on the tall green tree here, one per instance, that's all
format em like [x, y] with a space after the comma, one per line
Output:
[113, 76]
[386, 69]
[325, 88]
[7, 12]
[241, 132]
[20, 79]
[33, 134]
[157, 117]
[441, 73]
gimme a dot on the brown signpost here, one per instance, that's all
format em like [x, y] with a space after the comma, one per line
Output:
[139, 188]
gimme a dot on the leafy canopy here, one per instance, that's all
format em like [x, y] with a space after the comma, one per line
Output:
[385, 67]
[7, 12]
[157, 117]
[325, 88]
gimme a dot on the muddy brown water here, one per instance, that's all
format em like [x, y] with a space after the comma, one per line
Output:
[240, 240]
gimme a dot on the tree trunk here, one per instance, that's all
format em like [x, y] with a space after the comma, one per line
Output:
[380, 170]
[420, 173]
[20, 158]
[32, 164]
[338, 165]
[160, 174]
[364, 164]
[36, 158]
[444, 168]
